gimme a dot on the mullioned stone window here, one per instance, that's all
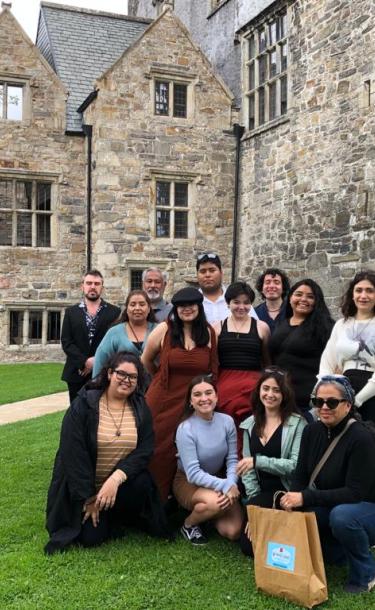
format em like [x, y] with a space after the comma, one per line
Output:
[34, 326]
[170, 98]
[11, 101]
[171, 208]
[25, 212]
[265, 52]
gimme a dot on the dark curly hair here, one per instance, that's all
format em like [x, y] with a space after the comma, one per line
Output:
[288, 404]
[319, 322]
[236, 289]
[101, 381]
[348, 307]
[273, 271]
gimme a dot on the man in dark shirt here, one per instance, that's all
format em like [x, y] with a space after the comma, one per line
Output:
[273, 286]
[84, 326]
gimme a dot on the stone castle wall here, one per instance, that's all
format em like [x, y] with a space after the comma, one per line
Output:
[307, 190]
[131, 145]
[37, 147]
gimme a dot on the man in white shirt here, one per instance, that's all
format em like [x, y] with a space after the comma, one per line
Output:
[210, 280]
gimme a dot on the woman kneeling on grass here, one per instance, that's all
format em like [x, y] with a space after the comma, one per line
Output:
[100, 480]
[206, 480]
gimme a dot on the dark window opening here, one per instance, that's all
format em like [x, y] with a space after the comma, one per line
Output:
[136, 279]
[53, 327]
[16, 327]
[35, 326]
[179, 100]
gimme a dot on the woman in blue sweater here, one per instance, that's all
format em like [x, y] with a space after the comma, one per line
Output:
[206, 479]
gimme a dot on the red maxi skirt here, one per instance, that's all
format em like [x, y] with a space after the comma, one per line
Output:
[234, 396]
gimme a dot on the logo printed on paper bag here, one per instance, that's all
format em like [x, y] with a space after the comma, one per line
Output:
[281, 556]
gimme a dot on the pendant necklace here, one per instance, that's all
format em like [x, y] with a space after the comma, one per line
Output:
[238, 330]
[139, 343]
[117, 428]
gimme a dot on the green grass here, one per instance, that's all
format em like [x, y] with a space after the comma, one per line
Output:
[22, 381]
[137, 573]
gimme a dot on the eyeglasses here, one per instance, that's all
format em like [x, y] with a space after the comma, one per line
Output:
[124, 376]
[332, 403]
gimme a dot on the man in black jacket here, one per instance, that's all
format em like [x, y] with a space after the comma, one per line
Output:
[84, 326]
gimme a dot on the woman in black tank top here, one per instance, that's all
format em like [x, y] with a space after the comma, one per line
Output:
[242, 350]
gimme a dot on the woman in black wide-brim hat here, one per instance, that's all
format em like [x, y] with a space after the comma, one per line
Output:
[177, 350]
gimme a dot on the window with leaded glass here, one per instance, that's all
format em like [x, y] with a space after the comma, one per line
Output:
[25, 212]
[171, 98]
[266, 67]
[136, 279]
[11, 101]
[171, 205]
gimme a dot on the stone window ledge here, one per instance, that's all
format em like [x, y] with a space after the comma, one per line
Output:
[217, 8]
[270, 125]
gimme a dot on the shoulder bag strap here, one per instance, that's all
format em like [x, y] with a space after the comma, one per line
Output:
[328, 452]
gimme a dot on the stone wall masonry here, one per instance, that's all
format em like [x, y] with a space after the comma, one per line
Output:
[309, 183]
[131, 145]
[38, 147]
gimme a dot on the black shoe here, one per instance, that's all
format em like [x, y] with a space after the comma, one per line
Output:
[194, 535]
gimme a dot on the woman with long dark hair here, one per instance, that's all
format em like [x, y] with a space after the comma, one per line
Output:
[206, 481]
[176, 351]
[298, 342]
[271, 441]
[351, 346]
[100, 480]
[130, 332]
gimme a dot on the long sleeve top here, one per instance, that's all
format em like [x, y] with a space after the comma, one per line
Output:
[348, 476]
[351, 346]
[283, 466]
[116, 340]
[205, 448]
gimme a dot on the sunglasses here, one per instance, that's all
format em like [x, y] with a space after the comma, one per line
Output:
[332, 403]
[210, 255]
[123, 376]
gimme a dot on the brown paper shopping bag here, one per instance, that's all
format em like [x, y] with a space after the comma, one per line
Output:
[288, 557]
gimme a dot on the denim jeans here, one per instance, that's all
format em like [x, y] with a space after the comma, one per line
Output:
[347, 531]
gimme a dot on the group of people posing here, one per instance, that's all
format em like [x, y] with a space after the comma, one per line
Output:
[218, 405]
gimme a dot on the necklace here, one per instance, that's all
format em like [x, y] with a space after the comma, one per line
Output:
[139, 343]
[238, 330]
[273, 310]
[117, 427]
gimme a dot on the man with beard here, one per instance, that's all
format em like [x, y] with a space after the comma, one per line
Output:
[273, 286]
[154, 282]
[84, 326]
[210, 280]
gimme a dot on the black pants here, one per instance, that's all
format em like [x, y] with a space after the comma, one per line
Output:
[75, 387]
[358, 380]
[137, 504]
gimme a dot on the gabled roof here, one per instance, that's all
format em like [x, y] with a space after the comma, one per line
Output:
[81, 44]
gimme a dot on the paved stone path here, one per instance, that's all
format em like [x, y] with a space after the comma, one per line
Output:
[34, 407]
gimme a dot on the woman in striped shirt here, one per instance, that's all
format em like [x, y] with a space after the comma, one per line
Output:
[100, 480]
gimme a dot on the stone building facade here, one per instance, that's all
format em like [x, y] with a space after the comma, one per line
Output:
[162, 169]
[307, 107]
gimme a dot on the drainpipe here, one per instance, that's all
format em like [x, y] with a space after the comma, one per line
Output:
[87, 130]
[238, 131]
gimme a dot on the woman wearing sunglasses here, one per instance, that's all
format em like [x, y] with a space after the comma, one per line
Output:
[100, 480]
[342, 492]
[351, 347]
[271, 441]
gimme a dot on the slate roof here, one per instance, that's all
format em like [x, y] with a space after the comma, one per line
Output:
[80, 44]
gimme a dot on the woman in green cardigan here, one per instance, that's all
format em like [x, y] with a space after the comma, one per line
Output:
[271, 441]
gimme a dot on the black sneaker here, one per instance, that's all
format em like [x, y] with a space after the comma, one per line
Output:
[194, 535]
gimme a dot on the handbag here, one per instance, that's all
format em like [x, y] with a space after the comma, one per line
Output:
[288, 560]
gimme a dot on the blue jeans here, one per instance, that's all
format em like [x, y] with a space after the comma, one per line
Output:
[347, 531]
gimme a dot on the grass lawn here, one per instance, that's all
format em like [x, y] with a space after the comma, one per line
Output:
[137, 573]
[22, 381]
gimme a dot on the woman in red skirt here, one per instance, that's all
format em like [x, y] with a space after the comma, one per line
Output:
[242, 350]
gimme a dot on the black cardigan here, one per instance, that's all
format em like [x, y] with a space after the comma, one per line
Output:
[348, 476]
[73, 478]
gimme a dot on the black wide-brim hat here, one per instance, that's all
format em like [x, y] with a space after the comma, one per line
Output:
[187, 296]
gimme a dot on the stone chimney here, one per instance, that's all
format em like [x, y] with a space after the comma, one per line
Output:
[6, 5]
[162, 5]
